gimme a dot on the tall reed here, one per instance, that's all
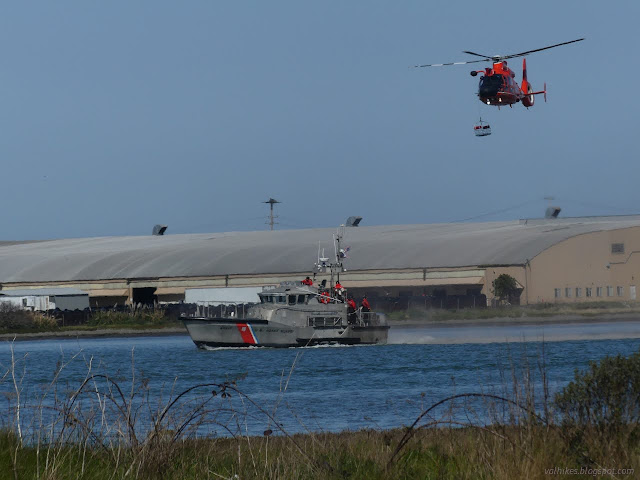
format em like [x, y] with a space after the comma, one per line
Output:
[108, 426]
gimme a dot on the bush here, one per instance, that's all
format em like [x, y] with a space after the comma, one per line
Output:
[599, 411]
[43, 321]
[14, 318]
[606, 395]
[505, 286]
[140, 317]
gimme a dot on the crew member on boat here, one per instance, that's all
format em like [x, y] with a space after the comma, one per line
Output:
[307, 281]
[365, 304]
[324, 297]
[351, 310]
[339, 291]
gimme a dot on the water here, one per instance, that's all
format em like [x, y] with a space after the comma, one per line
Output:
[330, 388]
[499, 333]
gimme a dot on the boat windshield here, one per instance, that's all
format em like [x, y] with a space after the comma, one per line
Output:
[290, 299]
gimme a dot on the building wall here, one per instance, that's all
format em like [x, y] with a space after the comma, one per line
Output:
[172, 289]
[578, 263]
[586, 261]
[71, 302]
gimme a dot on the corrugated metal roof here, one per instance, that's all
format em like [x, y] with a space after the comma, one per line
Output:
[283, 251]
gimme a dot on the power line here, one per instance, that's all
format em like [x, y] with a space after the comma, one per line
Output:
[495, 212]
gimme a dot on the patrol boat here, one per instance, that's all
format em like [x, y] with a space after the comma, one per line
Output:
[289, 315]
[292, 314]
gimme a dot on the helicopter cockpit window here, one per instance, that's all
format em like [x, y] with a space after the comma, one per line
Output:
[491, 81]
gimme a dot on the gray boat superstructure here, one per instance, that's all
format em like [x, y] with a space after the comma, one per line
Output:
[291, 314]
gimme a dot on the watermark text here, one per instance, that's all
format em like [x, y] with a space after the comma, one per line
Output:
[596, 472]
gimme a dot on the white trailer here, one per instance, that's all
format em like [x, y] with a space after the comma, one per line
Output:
[46, 299]
[221, 296]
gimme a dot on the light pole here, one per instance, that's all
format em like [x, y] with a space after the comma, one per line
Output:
[271, 202]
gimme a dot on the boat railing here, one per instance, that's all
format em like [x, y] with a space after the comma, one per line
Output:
[369, 319]
[321, 321]
[221, 310]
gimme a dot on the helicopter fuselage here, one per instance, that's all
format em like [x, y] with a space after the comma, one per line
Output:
[498, 86]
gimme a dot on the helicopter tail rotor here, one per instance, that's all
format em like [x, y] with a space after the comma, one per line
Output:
[543, 92]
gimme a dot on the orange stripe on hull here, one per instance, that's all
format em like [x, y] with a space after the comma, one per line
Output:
[246, 333]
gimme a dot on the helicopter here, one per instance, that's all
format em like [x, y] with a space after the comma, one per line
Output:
[497, 85]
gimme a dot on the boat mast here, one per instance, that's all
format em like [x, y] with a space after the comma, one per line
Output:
[337, 265]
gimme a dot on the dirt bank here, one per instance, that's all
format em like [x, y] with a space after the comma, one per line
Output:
[106, 332]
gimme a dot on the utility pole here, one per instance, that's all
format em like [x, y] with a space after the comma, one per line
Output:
[549, 199]
[271, 222]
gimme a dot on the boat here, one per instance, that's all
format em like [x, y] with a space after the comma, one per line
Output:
[291, 314]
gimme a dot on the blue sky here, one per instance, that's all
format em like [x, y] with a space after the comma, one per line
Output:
[118, 115]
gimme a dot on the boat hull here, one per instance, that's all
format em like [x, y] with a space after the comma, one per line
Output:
[224, 332]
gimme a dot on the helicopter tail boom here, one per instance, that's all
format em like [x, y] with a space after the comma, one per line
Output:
[544, 92]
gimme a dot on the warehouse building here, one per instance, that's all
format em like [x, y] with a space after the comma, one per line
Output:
[552, 260]
[46, 299]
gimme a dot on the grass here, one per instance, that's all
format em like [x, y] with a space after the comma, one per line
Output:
[109, 428]
[455, 453]
[13, 320]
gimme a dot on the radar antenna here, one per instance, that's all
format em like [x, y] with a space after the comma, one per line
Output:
[340, 253]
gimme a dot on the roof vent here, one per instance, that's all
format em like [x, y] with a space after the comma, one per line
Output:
[552, 212]
[159, 229]
[353, 221]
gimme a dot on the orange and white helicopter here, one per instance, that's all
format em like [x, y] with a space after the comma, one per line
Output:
[497, 85]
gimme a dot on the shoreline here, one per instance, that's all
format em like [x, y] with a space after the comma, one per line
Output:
[395, 324]
[99, 333]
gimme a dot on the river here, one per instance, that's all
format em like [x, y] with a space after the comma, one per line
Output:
[319, 388]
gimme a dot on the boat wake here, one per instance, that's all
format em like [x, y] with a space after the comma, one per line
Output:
[409, 339]
[336, 345]
[250, 347]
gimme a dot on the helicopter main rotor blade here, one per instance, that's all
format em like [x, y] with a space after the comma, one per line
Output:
[446, 64]
[478, 55]
[522, 54]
